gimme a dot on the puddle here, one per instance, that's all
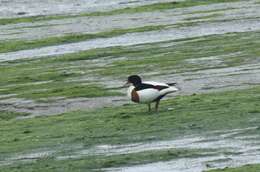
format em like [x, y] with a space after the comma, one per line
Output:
[58, 106]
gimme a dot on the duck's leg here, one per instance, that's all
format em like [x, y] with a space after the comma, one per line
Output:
[149, 107]
[157, 105]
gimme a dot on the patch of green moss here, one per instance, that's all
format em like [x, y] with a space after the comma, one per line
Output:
[246, 168]
[7, 115]
[58, 89]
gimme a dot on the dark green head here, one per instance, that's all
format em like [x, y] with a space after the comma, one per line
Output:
[134, 79]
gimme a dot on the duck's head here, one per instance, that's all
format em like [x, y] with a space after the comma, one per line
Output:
[134, 79]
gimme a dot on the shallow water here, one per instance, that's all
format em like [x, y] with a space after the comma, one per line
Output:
[222, 140]
[44, 29]
[194, 164]
[12, 8]
[26, 158]
[203, 29]
[59, 106]
[230, 148]
[241, 151]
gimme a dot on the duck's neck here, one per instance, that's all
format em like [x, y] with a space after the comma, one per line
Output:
[137, 84]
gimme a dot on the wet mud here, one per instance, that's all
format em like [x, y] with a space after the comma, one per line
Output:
[231, 150]
[89, 25]
[18, 8]
[138, 38]
[202, 81]
[223, 148]
[58, 105]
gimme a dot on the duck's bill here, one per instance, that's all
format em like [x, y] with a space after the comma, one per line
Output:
[127, 84]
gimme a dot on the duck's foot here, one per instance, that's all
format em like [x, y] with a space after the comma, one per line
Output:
[157, 106]
[149, 107]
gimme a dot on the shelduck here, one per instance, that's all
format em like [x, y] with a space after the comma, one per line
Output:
[148, 92]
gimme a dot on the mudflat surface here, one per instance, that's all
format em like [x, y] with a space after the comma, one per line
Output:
[237, 11]
[204, 48]
[17, 8]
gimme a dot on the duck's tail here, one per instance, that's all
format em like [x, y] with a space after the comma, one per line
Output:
[172, 84]
[169, 90]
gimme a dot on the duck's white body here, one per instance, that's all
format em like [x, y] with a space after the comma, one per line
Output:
[150, 94]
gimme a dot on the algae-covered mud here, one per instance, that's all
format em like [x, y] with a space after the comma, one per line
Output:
[105, 139]
[63, 64]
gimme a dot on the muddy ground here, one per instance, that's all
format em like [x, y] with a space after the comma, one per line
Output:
[23, 8]
[219, 13]
[211, 73]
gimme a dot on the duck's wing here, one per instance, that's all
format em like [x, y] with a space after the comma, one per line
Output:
[144, 86]
[157, 85]
[162, 87]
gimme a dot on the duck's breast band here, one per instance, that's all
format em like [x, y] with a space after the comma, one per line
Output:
[135, 96]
